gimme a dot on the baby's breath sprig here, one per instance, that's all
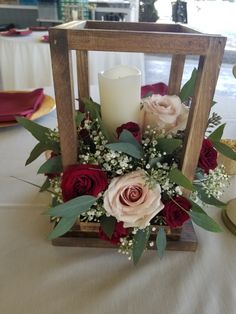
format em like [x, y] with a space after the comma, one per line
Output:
[53, 135]
[95, 212]
[126, 246]
[216, 181]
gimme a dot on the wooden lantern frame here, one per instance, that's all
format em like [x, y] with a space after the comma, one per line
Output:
[172, 39]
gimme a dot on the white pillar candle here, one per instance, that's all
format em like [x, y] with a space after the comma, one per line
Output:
[119, 89]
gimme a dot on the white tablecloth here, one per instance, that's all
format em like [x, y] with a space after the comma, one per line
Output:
[37, 278]
[25, 62]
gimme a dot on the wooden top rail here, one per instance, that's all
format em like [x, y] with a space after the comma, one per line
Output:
[135, 37]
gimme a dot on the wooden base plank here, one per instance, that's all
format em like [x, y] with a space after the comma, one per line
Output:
[75, 238]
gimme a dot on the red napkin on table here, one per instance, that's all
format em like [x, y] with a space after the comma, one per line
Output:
[39, 28]
[19, 104]
[17, 32]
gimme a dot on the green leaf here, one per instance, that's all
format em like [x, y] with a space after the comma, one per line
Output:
[196, 208]
[188, 88]
[211, 200]
[161, 242]
[52, 165]
[38, 131]
[168, 145]
[62, 227]
[234, 70]
[127, 137]
[37, 151]
[55, 202]
[177, 177]
[153, 162]
[94, 110]
[79, 118]
[92, 107]
[225, 150]
[127, 148]
[74, 207]
[45, 186]
[140, 242]
[204, 221]
[108, 225]
[216, 135]
[213, 103]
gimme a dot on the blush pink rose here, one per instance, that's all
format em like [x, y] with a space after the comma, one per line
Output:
[164, 112]
[129, 199]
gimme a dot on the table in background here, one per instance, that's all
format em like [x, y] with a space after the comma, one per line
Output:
[37, 278]
[25, 62]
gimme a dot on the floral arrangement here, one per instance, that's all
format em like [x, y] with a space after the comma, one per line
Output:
[132, 186]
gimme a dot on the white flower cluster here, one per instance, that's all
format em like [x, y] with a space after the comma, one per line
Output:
[115, 162]
[53, 135]
[95, 212]
[216, 181]
[126, 246]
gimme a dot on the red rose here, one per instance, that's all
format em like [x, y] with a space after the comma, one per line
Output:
[208, 156]
[174, 215]
[80, 180]
[132, 128]
[158, 88]
[118, 233]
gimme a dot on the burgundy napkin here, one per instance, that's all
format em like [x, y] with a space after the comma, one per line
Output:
[19, 104]
[17, 32]
[39, 28]
[157, 88]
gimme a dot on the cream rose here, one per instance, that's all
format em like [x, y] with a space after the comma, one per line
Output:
[163, 112]
[129, 199]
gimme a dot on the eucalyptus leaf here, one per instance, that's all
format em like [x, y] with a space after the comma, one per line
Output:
[38, 131]
[79, 118]
[216, 135]
[33, 184]
[211, 200]
[108, 225]
[161, 242]
[127, 137]
[234, 70]
[176, 176]
[168, 145]
[127, 148]
[225, 150]
[74, 207]
[55, 202]
[153, 161]
[188, 88]
[196, 208]
[38, 150]
[45, 186]
[140, 242]
[52, 165]
[93, 108]
[204, 221]
[62, 227]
